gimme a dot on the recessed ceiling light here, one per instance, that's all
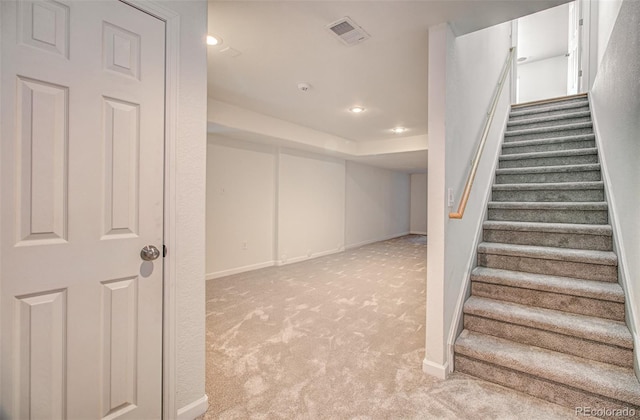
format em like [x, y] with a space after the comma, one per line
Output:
[356, 109]
[521, 59]
[213, 40]
[398, 130]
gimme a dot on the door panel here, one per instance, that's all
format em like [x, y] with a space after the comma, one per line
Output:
[82, 192]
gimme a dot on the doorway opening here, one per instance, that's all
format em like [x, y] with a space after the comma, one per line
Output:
[549, 53]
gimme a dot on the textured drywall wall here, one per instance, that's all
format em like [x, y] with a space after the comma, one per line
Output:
[441, 47]
[190, 167]
[377, 204]
[615, 99]
[460, 94]
[240, 207]
[607, 13]
[418, 212]
[475, 71]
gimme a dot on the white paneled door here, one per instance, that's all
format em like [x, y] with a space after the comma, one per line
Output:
[81, 164]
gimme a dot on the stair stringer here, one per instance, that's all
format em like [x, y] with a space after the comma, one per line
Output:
[631, 302]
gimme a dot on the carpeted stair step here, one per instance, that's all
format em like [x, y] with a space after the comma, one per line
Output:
[593, 338]
[520, 113]
[585, 297]
[537, 121]
[580, 213]
[574, 263]
[553, 158]
[583, 141]
[559, 235]
[557, 377]
[558, 192]
[563, 173]
[580, 99]
[548, 132]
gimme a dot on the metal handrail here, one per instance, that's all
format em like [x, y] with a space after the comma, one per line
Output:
[483, 139]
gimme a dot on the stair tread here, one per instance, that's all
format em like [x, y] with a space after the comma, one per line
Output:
[595, 377]
[550, 253]
[549, 169]
[536, 130]
[587, 327]
[551, 140]
[553, 153]
[580, 185]
[548, 118]
[563, 285]
[559, 106]
[582, 229]
[539, 205]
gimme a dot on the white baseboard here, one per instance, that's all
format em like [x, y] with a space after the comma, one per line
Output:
[305, 258]
[434, 369]
[385, 238]
[415, 232]
[194, 409]
[231, 271]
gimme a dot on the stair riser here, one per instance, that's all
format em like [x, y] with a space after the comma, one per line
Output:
[550, 300]
[538, 387]
[547, 134]
[584, 107]
[535, 107]
[550, 340]
[548, 161]
[576, 195]
[571, 269]
[550, 147]
[553, 239]
[582, 176]
[590, 217]
[552, 123]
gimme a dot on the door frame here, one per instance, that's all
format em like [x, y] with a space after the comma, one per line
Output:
[169, 313]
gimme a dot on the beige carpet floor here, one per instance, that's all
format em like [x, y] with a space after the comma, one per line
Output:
[339, 337]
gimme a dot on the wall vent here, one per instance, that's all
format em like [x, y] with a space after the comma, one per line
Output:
[349, 32]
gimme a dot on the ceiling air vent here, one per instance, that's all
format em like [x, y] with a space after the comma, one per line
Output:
[349, 32]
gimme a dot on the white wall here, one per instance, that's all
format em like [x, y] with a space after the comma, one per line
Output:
[615, 100]
[607, 13]
[188, 203]
[377, 204]
[240, 207]
[311, 206]
[463, 74]
[418, 218]
[542, 79]
[287, 205]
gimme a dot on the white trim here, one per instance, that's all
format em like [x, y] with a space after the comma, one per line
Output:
[238, 270]
[415, 232]
[435, 370]
[623, 271]
[172, 58]
[280, 263]
[194, 409]
[372, 241]
[471, 263]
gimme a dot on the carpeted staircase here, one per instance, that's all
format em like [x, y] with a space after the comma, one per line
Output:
[546, 313]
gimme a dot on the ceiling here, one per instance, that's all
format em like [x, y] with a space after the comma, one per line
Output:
[283, 43]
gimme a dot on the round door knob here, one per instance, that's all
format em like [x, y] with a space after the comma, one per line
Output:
[149, 253]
